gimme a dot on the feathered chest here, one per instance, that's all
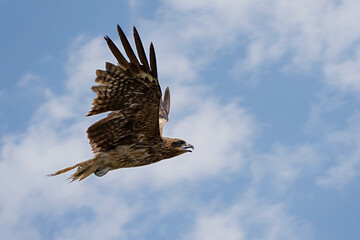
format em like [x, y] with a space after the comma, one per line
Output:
[132, 155]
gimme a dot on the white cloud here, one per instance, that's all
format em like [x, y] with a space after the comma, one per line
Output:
[346, 74]
[33, 200]
[338, 143]
[220, 135]
[328, 100]
[306, 32]
[28, 80]
[337, 177]
[217, 226]
[55, 138]
[347, 158]
[32, 85]
[284, 165]
[249, 218]
[84, 58]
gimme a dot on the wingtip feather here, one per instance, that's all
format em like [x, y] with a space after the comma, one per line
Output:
[129, 52]
[153, 60]
[116, 52]
[140, 50]
[167, 99]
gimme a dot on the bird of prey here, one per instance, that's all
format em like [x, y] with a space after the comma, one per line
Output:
[131, 134]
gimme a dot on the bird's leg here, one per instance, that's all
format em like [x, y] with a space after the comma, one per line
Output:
[101, 172]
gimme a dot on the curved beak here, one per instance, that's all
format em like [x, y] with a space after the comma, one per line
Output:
[188, 147]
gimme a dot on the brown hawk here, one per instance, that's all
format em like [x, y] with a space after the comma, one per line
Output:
[131, 134]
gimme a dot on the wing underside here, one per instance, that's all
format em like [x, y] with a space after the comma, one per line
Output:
[164, 110]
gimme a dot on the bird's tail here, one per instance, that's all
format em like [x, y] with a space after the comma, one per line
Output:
[84, 169]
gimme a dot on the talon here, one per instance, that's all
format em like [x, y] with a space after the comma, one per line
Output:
[101, 172]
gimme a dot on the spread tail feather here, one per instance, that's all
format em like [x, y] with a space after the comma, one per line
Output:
[84, 169]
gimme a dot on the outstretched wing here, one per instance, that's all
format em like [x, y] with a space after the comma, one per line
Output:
[132, 93]
[164, 110]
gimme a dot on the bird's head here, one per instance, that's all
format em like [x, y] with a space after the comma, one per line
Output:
[178, 146]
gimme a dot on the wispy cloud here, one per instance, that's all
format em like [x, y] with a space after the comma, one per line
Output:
[347, 160]
[346, 74]
[240, 220]
[284, 165]
[191, 37]
[55, 138]
[303, 33]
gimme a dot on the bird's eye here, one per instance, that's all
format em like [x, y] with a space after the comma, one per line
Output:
[178, 143]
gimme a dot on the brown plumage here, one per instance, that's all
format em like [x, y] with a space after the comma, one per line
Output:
[131, 134]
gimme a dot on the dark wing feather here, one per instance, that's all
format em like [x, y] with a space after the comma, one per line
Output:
[132, 95]
[115, 51]
[129, 52]
[111, 131]
[141, 51]
[153, 61]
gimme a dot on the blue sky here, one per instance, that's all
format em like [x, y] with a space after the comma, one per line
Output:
[266, 91]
